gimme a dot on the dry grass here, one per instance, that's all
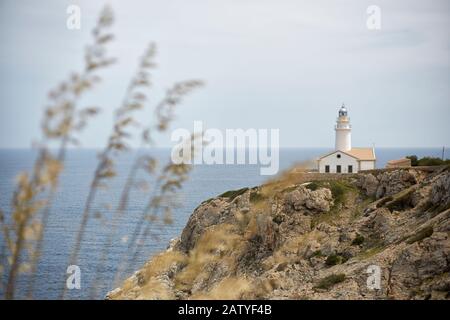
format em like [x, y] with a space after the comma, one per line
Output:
[329, 281]
[24, 227]
[289, 250]
[161, 263]
[231, 288]
[218, 243]
[35, 191]
[151, 286]
[155, 289]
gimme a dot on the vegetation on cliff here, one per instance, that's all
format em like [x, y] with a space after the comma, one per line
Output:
[297, 238]
[427, 161]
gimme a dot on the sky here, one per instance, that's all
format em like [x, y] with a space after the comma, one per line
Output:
[266, 64]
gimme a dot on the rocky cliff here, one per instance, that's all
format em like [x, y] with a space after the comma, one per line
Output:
[311, 237]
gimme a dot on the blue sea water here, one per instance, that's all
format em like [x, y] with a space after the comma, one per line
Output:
[205, 182]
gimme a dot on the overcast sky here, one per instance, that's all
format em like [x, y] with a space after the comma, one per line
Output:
[284, 64]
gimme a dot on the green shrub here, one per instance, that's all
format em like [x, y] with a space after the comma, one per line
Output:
[338, 190]
[413, 159]
[317, 253]
[312, 186]
[327, 282]
[256, 197]
[430, 161]
[208, 201]
[233, 193]
[359, 239]
[427, 161]
[333, 259]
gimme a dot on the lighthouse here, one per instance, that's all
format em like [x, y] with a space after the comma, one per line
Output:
[343, 131]
[344, 158]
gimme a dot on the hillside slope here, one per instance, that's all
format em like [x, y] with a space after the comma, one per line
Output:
[311, 237]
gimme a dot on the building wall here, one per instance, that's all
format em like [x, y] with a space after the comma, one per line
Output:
[367, 164]
[332, 160]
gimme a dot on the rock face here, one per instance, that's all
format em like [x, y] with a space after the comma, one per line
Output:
[303, 198]
[388, 183]
[440, 192]
[378, 235]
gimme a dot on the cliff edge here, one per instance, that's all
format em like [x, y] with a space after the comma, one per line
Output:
[380, 234]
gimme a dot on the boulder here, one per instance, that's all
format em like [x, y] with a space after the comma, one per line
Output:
[392, 182]
[440, 190]
[319, 200]
[369, 183]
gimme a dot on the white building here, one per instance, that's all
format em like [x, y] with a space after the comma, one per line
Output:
[345, 159]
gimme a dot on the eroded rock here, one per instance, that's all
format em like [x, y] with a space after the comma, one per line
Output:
[291, 246]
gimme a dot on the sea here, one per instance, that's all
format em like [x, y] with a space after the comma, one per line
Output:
[205, 181]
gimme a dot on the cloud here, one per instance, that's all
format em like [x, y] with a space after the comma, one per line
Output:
[266, 64]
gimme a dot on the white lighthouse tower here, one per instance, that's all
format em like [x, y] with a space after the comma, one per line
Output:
[344, 158]
[343, 131]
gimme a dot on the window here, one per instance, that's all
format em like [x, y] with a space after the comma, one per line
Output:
[327, 168]
[350, 169]
[338, 168]
[338, 156]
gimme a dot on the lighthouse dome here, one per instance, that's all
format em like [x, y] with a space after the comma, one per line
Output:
[343, 111]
